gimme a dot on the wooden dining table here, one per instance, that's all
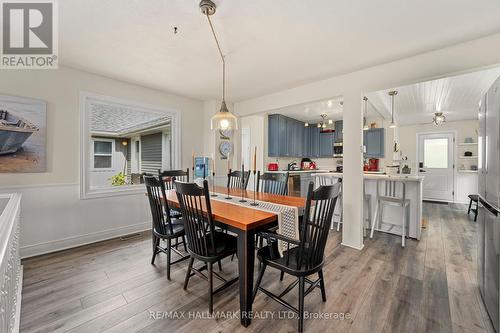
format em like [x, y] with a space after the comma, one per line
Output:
[244, 222]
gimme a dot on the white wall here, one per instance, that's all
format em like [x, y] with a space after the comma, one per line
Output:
[53, 216]
[456, 59]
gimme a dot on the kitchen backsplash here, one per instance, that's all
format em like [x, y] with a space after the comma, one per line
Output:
[321, 163]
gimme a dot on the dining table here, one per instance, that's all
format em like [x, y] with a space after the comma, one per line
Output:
[245, 222]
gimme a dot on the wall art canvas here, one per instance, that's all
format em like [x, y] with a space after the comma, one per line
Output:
[22, 134]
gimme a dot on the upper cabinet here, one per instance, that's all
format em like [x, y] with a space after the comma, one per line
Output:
[326, 144]
[374, 141]
[286, 137]
[314, 134]
[339, 129]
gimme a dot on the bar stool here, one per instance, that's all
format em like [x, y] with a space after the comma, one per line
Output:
[391, 198]
[326, 179]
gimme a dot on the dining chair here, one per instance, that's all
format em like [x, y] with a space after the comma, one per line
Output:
[166, 178]
[204, 242]
[164, 227]
[304, 257]
[390, 197]
[274, 183]
[238, 179]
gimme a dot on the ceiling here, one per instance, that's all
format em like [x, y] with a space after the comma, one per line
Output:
[270, 45]
[457, 97]
[311, 112]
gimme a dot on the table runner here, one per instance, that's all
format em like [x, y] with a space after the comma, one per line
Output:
[288, 216]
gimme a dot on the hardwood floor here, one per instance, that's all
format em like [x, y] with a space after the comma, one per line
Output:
[429, 286]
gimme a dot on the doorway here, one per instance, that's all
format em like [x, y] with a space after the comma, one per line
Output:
[436, 163]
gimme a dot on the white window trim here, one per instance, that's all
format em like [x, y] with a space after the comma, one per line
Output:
[86, 143]
[93, 155]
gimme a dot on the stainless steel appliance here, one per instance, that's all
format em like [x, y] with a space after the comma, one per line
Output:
[338, 149]
[489, 202]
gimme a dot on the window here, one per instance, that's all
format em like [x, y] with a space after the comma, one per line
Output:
[121, 140]
[103, 154]
[436, 153]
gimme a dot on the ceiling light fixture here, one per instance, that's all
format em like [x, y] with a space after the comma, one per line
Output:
[330, 103]
[392, 94]
[365, 124]
[438, 119]
[323, 123]
[306, 124]
[223, 119]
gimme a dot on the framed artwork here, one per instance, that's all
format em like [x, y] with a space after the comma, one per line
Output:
[23, 132]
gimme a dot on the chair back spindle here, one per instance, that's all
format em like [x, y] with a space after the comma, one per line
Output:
[158, 205]
[238, 179]
[316, 224]
[166, 177]
[198, 225]
[274, 183]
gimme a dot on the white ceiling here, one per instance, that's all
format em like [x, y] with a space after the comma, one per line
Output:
[270, 45]
[457, 97]
[311, 112]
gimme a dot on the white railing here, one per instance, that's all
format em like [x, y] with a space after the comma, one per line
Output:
[10, 263]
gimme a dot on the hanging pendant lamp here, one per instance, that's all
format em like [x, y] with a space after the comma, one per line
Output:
[365, 125]
[222, 120]
[393, 123]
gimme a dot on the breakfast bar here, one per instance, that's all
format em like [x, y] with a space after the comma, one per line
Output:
[391, 216]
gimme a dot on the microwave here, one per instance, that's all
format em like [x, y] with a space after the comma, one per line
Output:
[338, 149]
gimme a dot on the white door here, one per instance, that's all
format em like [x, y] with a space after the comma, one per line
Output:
[245, 147]
[436, 164]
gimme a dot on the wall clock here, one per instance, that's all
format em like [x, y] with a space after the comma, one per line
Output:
[225, 148]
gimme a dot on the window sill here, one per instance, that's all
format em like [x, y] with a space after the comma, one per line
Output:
[113, 191]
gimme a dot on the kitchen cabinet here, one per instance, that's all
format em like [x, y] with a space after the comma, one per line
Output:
[313, 141]
[326, 144]
[339, 128]
[286, 137]
[374, 141]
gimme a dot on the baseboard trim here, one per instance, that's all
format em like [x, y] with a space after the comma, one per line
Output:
[70, 242]
[353, 247]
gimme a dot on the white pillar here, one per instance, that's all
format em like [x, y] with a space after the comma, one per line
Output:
[352, 230]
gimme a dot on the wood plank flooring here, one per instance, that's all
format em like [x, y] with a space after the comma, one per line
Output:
[429, 286]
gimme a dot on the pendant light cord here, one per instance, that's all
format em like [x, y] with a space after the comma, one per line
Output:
[392, 108]
[222, 57]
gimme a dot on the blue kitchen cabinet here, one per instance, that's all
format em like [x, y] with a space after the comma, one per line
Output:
[374, 141]
[286, 137]
[306, 139]
[273, 136]
[326, 144]
[339, 128]
[314, 141]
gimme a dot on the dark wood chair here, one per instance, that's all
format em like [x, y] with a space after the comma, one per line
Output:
[167, 181]
[274, 183]
[238, 179]
[164, 227]
[167, 177]
[473, 198]
[204, 243]
[304, 257]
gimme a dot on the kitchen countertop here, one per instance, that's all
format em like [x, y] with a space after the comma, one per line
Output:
[375, 176]
[300, 171]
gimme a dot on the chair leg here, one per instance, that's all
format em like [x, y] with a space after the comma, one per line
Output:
[259, 280]
[184, 242]
[210, 289]
[169, 250]
[156, 242]
[322, 285]
[403, 234]
[301, 304]
[220, 266]
[188, 273]
[341, 218]
[375, 217]
[282, 275]
[475, 213]
[470, 206]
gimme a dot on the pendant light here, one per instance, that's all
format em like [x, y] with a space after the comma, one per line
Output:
[392, 94]
[222, 120]
[365, 125]
[438, 119]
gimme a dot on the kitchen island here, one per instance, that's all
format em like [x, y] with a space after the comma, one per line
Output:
[298, 181]
[391, 216]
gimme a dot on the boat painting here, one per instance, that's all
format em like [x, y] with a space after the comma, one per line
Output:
[14, 131]
[23, 134]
